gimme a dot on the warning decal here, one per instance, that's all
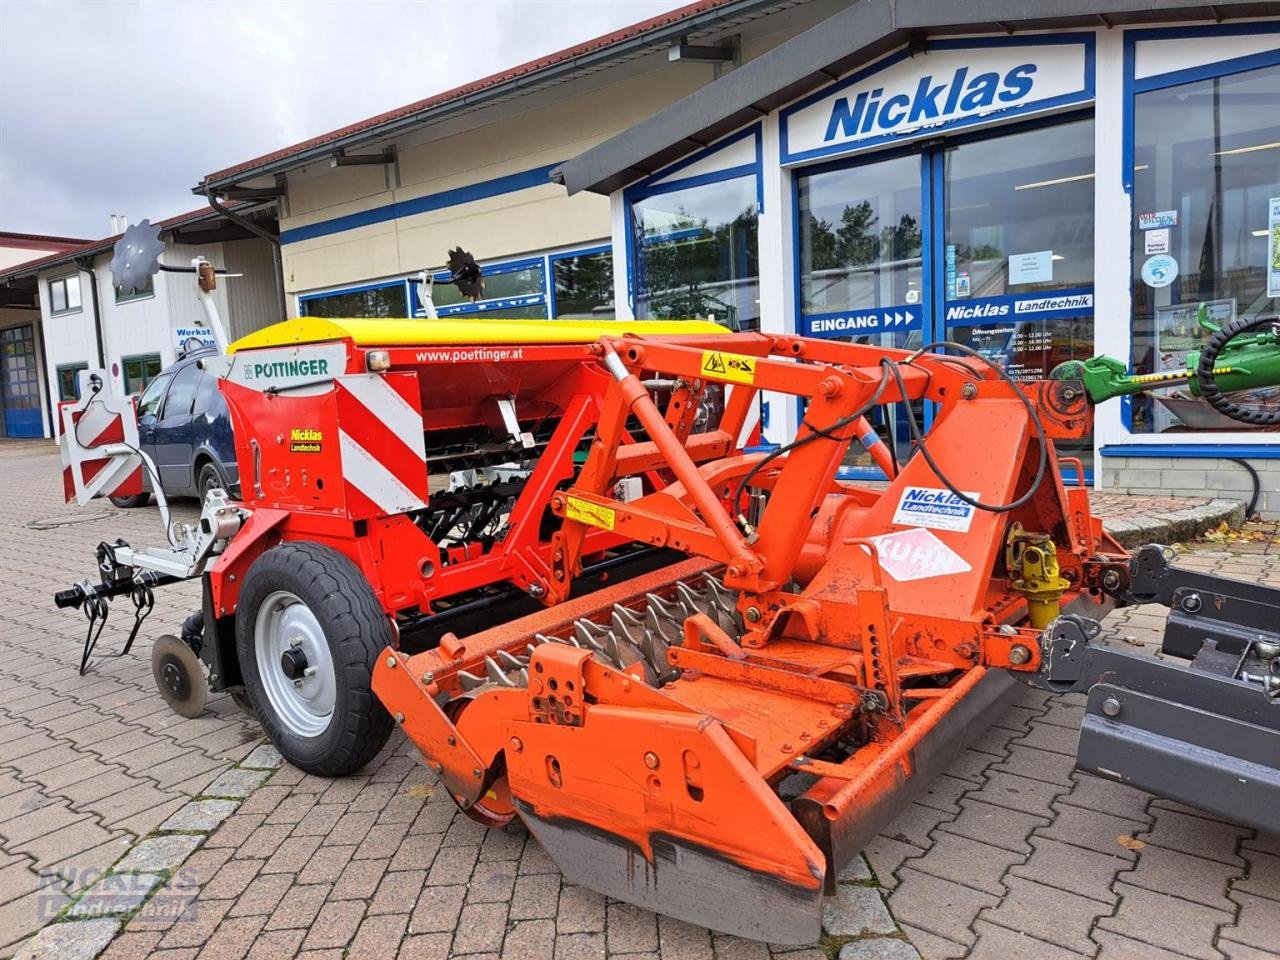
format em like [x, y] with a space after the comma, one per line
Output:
[917, 555]
[589, 513]
[733, 367]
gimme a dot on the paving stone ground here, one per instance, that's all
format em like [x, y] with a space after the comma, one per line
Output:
[1010, 854]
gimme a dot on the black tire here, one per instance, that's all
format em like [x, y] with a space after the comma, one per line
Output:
[356, 631]
[241, 700]
[207, 479]
[131, 503]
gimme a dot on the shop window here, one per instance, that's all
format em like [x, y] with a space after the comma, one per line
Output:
[385, 300]
[1206, 206]
[1017, 257]
[695, 253]
[148, 290]
[68, 380]
[861, 268]
[583, 285]
[1019, 215]
[860, 238]
[139, 371]
[64, 294]
[515, 290]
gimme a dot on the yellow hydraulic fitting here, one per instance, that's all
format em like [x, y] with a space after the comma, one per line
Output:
[1032, 561]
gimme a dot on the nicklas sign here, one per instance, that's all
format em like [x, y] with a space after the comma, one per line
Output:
[951, 85]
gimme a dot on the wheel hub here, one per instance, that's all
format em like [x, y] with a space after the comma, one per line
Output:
[173, 676]
[294, 664]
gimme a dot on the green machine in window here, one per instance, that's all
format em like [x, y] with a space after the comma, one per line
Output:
[1242, 355]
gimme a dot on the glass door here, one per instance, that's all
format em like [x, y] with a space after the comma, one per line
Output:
[863, 277]
[985, 239]
[20, 383]
[1017, 250]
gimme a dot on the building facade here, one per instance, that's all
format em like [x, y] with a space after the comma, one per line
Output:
[79, 319]
[1040, 183]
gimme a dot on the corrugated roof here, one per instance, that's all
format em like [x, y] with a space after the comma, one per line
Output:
[523, 71]
[11, 239]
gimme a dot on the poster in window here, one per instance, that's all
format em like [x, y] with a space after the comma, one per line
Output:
[1273, 249]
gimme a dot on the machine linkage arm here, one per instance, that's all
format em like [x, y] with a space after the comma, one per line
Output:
[124, 571]
[1206, 732]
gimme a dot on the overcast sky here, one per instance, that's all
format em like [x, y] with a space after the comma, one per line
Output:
[121, 107]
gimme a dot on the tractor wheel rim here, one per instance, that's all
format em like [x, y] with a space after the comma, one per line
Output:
[305, 706]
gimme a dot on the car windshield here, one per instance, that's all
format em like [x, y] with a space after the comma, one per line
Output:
[183, 392]
[150, 401]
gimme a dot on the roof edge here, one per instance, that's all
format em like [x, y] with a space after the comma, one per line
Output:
[92, 248]
[643, 33]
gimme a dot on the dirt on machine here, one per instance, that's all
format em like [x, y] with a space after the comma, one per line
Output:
[557, 555]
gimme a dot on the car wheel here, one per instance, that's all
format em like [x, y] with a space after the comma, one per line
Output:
[308, 633]
[208, 479]
[130, 503]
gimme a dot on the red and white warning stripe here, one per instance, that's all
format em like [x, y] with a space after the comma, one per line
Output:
[380, 436]
[87, 425]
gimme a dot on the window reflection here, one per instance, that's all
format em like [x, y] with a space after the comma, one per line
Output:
[1020, 212]
[378, 302]
[860, 235]
[696, 254]
[584, 286]
[1206, 165]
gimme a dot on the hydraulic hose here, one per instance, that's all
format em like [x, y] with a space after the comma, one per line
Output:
[918, 438]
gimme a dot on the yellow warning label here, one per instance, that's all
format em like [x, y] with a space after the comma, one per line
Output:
[589, 513]
[733, 367]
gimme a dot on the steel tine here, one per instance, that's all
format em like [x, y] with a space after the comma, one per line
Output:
[590, 634]
[496, 674]
[628, 623]
[509, 662]
[694, 601]
[469, 681]
[725, 604]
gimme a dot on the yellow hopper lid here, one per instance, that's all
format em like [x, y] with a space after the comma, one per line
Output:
[393, 332]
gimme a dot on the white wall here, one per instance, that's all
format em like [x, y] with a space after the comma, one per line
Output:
[540, 129]
[146, 325]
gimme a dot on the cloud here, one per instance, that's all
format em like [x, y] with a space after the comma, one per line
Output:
[120, 106]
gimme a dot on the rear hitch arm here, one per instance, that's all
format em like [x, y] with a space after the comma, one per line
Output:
[124, 571]
[1205, 733]
[118, 580]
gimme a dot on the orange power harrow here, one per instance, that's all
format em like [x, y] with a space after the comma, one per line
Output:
[843, 634]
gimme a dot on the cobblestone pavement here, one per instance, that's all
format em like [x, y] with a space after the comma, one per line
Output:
[1008, 855]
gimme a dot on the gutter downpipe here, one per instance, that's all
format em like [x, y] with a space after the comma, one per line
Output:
[86, 264]
[262, 234]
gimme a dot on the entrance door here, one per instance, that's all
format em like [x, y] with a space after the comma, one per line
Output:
[1017, 250]
[20, 382]
[863, 276]
[986, 240]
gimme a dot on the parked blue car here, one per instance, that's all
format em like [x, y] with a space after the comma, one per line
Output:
[184, 426]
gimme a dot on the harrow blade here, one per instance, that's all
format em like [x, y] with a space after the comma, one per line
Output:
[689, 882]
